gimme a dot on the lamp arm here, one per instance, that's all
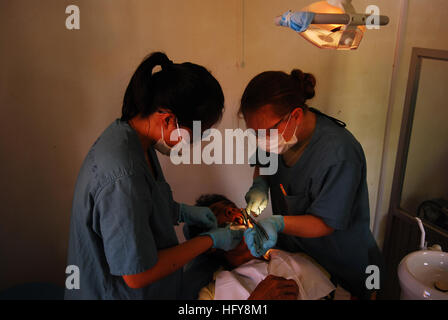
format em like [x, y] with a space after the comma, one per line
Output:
[356, 19]
[341, 18]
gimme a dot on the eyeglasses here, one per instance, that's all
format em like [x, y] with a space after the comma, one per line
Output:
[275, 126]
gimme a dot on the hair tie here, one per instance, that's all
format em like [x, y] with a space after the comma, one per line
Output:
[166, 64]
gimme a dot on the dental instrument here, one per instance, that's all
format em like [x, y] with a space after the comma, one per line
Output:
[249, 220]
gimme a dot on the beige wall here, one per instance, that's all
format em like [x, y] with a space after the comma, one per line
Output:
[59, 90]
[426, 27]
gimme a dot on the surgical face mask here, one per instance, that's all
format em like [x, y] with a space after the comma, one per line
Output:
[162, 146]
[282, 144]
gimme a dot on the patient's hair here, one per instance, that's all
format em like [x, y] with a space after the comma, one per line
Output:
[284, 91]
[206, 200]
[187, 89]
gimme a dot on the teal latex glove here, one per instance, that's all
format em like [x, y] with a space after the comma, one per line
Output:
[297, 21]
[225, 238]
[257, 244]
[197, 216]
[257, 197]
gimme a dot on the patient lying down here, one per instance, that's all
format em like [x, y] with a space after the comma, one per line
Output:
[279, 275]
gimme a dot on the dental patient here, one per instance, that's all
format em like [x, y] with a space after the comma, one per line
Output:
[279, 275]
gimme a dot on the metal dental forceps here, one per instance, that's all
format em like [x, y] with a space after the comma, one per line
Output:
[247, 218]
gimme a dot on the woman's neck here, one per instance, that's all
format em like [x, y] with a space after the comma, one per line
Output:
[292, 155]
[143, 128]
[309, 124]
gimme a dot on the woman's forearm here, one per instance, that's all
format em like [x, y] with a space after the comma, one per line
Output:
[169, 260]
[306, 226]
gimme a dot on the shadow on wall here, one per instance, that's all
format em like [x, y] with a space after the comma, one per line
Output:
[49, 110]
[39, 173]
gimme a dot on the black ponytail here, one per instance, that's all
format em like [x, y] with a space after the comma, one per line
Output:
[187, 89]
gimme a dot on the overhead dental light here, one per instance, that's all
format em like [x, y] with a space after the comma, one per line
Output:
[332, 24]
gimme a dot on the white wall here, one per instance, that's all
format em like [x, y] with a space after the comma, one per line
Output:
[60, 89]
[424, 26]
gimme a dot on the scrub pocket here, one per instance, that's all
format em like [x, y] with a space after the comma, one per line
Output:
[297, 204]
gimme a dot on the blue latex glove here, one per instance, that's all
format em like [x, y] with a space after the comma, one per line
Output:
[225, 238]
[297, 21]
[257, 197]
[257, 244]
[197, 216]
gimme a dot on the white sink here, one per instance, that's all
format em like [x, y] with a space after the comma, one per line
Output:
[421, 272]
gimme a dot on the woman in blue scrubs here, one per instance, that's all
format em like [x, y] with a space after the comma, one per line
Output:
[122, 237]
[319, 193]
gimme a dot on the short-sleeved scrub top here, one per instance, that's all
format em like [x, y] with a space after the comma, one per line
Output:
[122, 215]
[329, 181]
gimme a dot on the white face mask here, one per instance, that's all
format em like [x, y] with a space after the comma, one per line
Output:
[282, 144]
[162, 146]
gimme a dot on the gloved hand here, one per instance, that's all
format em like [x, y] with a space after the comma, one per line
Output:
[257, 197]
[197, 216]
[225, 238]
[257, 244]
[297, 21]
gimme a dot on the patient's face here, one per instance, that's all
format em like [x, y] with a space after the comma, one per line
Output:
[227, 212]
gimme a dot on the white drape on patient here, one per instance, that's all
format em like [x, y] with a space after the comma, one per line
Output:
[240, 282]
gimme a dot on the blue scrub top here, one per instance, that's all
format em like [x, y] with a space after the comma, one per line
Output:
[121, 216]
[329, 181]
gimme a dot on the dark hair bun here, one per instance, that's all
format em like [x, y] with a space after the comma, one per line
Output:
[306, 81]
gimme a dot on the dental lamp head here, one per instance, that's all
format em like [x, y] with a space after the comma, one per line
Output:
[332, 24]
